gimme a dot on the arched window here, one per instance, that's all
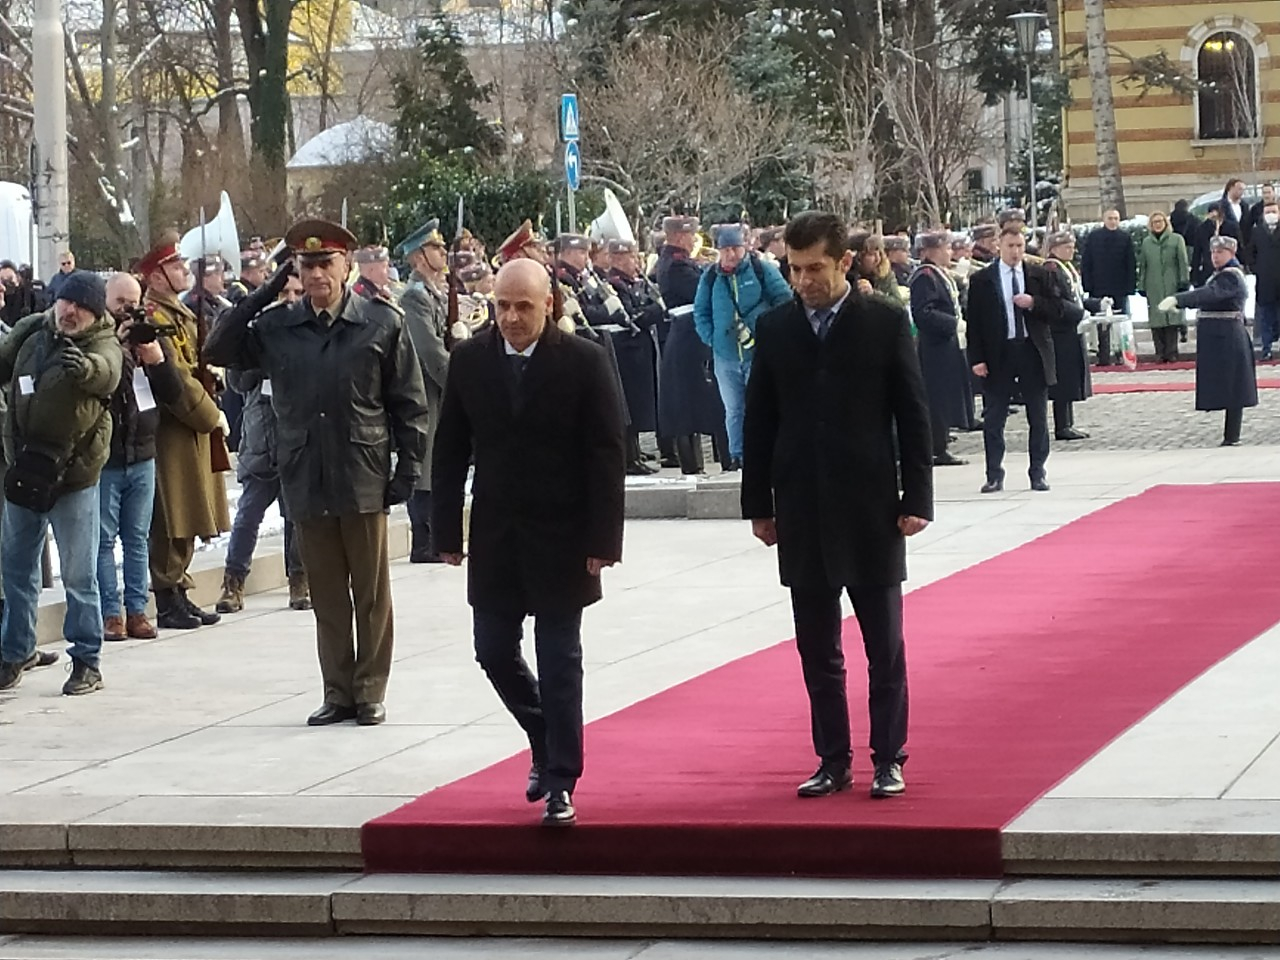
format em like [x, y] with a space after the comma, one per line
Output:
[1228, 97]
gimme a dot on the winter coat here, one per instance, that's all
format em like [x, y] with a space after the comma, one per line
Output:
[1163, 271]
[50, 410]
[342, 391]
[426, 320]
[256, 455]
[1070, 351]
[1201, 259]
[133, 431]
[754, 288]
[191, 500]
[935, 308]
[1108, 265]
[688, 399]
[1265, 246]
[1225, 378]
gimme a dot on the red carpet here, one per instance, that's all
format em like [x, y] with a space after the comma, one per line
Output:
[1022, 668]
[1181, 386]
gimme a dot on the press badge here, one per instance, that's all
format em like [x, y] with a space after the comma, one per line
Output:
[26, 385]
[146, 400]
[266, 387]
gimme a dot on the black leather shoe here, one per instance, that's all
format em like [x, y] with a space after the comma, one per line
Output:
[888, 781]
[1070, 433]
[331, 713]
[370, 714]
[637, 468]
[733, 466]
[669, 463]
[949, 460]
[533, 791]
[559, 812]
[206, 618]
[993, 486]
[825, 782]
[1229, 443]
[172, 612]
[1040, 486]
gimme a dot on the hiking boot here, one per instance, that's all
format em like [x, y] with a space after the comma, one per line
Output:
[113, 629]
[11, 674]
[206, 618]
[232, 599]
[84, 679]
[299, 592]
[137, 626]
[172, 613]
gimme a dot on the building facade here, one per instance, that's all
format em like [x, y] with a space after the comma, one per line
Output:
[1177, 145]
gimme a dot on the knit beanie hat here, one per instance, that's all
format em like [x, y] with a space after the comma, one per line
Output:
[87, 290]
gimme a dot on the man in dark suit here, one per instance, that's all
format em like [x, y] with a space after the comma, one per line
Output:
[1011, 306]
[834, 372]
[539, 411]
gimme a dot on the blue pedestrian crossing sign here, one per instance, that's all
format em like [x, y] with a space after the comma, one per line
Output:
[572, 164]
[568, 117]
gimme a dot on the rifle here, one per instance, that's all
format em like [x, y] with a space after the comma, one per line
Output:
[451, 278]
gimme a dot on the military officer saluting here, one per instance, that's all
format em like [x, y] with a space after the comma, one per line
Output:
[1225, 378]
[345, 386]
[191, 499]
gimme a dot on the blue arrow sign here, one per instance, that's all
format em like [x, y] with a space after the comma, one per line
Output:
[568, 117]
[572, 164]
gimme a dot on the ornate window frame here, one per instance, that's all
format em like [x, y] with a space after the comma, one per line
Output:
[1190, 57]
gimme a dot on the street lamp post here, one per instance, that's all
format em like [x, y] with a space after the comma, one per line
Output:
[1027, 26]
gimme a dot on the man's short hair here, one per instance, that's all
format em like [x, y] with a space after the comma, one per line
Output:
[813, 227]
[1233, 181]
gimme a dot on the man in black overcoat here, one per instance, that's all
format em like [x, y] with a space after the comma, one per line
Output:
[539, 411]
[1012, 307]
[939, 319]
[835, 371]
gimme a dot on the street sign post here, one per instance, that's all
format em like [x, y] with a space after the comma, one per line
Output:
[568, 117]
[572, 178]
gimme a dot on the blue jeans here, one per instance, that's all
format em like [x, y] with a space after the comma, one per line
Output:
[1266, 316]
[256, 494]
[74, 519]
[731, 377]
[126, 498]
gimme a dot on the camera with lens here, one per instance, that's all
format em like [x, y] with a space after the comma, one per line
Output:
[143, 330]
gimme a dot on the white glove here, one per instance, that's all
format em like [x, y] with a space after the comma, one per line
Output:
[460, 331]
[223, 425]
[1168, 303]
[1083, 326]
[613, 304]
[1107, 304]
[572, 309]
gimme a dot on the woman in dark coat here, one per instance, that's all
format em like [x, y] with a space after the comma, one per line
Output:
[935, 308]
[1071, 352]
[1225, 377]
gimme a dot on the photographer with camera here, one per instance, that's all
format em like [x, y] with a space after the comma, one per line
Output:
[126, 490]
[732, 296]
[61, 368]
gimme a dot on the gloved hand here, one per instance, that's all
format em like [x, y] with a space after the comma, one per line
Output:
[613, 304]
[398, 490]
[1107, 304]
[1168, 303]
[75, 363]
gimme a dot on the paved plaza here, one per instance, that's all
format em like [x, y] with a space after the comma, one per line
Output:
[196, 748]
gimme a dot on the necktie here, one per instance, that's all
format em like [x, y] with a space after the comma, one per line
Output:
[1019, 324]
[824, 323]
[518, 362]
[324, 317]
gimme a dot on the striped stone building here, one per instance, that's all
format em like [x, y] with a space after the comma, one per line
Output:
[1176, 145]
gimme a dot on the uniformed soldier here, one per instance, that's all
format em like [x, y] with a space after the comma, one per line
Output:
[637, 354]
[425, 302]
[208, 295]
[374, 264]
[524, 243]
[898, 250]
[253, 271]
[689, 402]
[1070, 350]
[986, 237]
[346, 387]
[476, 306]
[938, 315]
[191, 499]
[1225, 378]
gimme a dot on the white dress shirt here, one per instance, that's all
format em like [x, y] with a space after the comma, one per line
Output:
[513, 352]
[1006, 285]
[834, 309]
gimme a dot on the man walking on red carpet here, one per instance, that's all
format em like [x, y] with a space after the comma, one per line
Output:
[834, 372]
[539, 410]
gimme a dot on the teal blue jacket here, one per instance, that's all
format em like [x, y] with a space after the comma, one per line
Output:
[723, 298]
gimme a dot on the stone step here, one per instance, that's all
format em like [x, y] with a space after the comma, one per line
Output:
[114, 903]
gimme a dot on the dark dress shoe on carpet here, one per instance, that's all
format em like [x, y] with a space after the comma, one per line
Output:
[370, 714]
[825, 782]
[949, 460]
[42, 658]
[888, 781]
[992, 486]
[533, 791]
[1071, 433]
[84, 679]
[559, 812]
[331, 713]
[1040, 486]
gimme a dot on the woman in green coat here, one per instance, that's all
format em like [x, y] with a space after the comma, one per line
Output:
[1163, 271]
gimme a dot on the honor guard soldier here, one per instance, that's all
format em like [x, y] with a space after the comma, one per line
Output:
[191, 499]
[985, 247]
[347, 389]
[898, 250]
[374, 264]
[1070, 350]
[425, 302]
[939, 318]
[524, 243]
[638, 356]
[1225, 378]
[253, 272]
